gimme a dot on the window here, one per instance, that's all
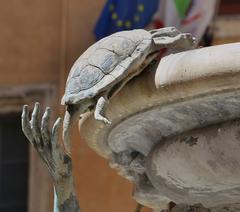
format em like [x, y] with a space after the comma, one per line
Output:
[13, 165]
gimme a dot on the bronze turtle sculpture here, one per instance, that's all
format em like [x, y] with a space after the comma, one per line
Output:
[105, 67]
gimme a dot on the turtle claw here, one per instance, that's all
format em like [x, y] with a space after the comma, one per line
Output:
[187, 41]
[106, 121]
[103, 119]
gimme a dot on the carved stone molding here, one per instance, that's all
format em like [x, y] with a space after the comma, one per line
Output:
[172, 113]
[13, 98]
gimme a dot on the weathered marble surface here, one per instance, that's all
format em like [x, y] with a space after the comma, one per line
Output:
[146, 115]
[201, 208]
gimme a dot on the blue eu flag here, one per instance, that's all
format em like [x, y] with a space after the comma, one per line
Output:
[119, 15]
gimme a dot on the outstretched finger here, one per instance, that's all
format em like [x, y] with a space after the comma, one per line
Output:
[55, 132]
[45, 127]
[26, 128]
[35, 124]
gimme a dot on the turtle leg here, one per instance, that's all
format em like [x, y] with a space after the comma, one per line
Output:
[69, 119]
[100, 110]
[179, 42]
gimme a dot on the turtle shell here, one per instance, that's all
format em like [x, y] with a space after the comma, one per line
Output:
[106, 63]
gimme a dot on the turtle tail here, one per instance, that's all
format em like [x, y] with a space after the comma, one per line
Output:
[71, 114]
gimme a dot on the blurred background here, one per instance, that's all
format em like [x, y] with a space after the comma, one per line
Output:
[39, 41]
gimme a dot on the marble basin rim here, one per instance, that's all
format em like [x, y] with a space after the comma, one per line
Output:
[175, 131]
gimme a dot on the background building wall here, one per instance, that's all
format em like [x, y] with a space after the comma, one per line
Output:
[29, 58]
[39, 42]
[30, 37]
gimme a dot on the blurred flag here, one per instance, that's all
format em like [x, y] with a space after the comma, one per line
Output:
[119, 15]
[192, 16]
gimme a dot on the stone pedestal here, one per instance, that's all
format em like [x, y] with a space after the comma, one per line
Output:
[176, 130]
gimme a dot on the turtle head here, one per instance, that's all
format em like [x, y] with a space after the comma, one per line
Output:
[71, 115]
[166, 31]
